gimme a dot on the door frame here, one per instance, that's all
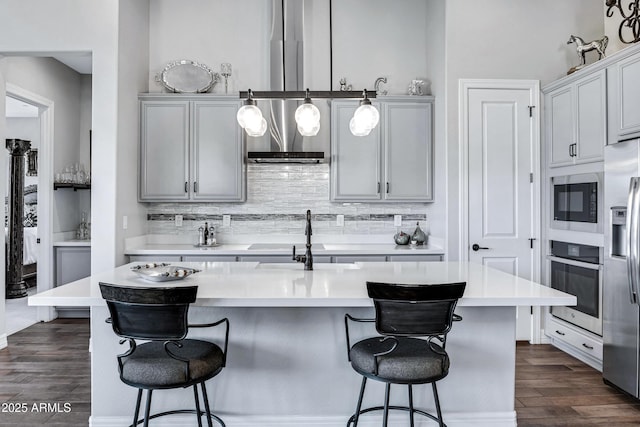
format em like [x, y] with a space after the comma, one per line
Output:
[45, 188]
[533, 86]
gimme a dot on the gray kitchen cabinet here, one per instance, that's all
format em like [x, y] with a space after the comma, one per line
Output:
[394, 162]
[359, 258]
[154, 258]
[576, 119]
[71, 263]
[415, 258]
[281, 258]
[355, 160]
[209, 258]
[624, 99]
[191, 149]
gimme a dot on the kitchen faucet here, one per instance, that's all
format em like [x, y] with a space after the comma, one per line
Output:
[307, 258]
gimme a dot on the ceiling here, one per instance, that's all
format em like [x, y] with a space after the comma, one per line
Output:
[17, 108]
[79, 61]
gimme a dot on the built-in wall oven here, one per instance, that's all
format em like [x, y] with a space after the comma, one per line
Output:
[577, 270]
[577, 202]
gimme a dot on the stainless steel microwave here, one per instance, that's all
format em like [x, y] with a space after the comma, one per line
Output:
[577, 202]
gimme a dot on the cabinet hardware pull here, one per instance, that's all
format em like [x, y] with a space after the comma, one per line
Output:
[590, 347]
[560, 333]
[186, 187]
[195, 186]
[387, 188]
[378, 187]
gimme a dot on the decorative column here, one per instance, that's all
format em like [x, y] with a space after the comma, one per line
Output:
[16, 287]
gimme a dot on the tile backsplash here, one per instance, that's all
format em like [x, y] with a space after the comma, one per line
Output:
[278, 196]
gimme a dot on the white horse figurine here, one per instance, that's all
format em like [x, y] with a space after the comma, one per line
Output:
[582, 47]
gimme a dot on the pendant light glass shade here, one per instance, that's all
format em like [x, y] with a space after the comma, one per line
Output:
[357, 128]
[257, 129]
[311, 131]
[250, 118]
[308, 117]
[365, 118]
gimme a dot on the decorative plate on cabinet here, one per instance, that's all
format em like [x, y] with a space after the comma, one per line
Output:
[186, 76]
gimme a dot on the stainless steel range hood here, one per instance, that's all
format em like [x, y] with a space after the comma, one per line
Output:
[287, 47]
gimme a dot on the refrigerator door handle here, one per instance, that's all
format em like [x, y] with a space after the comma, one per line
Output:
[632, 239]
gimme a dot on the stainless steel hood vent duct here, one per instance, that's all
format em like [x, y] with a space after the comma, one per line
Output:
[286, 66]
[287, 90]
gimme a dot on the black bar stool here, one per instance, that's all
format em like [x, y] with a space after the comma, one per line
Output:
[168, 360]
[413, 321]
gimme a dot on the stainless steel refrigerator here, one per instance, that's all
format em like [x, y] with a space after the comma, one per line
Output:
[621, 312]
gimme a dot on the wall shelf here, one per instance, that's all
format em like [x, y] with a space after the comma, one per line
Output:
[75, 187]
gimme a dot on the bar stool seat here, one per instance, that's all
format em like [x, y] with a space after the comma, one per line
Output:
[149, 365]
[414, 361]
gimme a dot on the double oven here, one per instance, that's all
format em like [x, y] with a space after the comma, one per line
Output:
[577, 205]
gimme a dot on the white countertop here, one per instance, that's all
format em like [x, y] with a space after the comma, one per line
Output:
[74, 242]
[319, 249]
[251, 284]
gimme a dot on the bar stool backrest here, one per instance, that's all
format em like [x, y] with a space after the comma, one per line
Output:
[414, 310]
[149, 313]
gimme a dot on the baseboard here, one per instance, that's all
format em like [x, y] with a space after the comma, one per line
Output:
[476, 419]
[3, 341]
[583, 357]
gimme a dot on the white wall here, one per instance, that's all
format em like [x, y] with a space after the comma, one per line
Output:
[55, 81]
[133, 43]
[380, 38]
[212, 32]
[63, 26]
[507, 39]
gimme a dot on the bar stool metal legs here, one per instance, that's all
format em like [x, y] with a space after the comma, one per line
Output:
[199, 413]
[353, 420]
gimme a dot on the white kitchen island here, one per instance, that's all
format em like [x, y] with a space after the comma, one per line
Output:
[287, 363]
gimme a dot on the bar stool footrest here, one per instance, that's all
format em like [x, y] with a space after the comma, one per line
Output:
[392, 407]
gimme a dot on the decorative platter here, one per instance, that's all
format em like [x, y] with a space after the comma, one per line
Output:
[162, 272]
[186, 76]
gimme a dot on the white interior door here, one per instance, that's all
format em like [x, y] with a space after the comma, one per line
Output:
[502, 210]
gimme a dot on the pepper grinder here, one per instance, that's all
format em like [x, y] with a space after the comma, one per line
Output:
[200, 236]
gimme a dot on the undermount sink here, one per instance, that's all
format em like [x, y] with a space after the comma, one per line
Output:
[282, 246]
[300, 266]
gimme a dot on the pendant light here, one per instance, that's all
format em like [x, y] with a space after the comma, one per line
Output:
[365, 118]
[308, 117]
[250, 117]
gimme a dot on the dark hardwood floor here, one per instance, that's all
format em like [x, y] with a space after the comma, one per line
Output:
[48, 363]
[555, 389]
[45, 376]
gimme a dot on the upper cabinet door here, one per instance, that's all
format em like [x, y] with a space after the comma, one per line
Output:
[408, 153]
[591, 111]
[560, 122]
[576, 121]
[624, 99]
[355, 160]
[164, 150]
[218, 152]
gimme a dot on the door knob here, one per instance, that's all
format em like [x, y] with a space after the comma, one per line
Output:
[476, 247]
